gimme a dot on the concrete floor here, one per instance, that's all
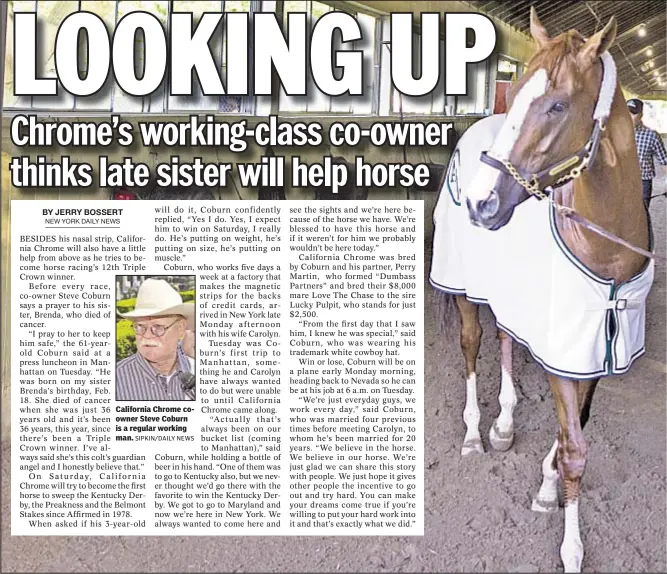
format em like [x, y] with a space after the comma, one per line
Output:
[477, 509]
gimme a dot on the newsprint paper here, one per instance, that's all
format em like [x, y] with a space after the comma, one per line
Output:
[300, 409]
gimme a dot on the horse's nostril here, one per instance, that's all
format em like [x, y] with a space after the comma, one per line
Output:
[488, 207]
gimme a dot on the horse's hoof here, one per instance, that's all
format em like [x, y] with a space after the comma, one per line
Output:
[572, 556]
[501, 440]
[544, 505]
[471, 446]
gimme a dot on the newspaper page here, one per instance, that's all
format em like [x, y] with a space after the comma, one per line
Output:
[304, 415]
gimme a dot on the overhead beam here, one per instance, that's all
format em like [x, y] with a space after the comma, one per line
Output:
[618, 45]
[649, 80]
[634, 29]
[659, 70]
[485, 7]
[546, 13]
[572, 17]
[652, 45]
[636, 11]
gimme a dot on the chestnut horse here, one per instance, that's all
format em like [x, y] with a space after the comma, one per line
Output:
[551, 126]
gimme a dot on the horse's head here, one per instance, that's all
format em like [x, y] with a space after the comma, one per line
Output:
[549, 119]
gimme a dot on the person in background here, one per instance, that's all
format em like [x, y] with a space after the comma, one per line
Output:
[649, 146]
[162, 368]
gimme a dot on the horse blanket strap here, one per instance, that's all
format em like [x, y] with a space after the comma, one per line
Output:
[617, 305]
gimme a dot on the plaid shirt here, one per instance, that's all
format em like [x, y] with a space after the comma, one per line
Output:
[649, 145]
[136, 380]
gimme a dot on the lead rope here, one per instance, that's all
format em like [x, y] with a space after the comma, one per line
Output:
[533, 189]
[574, 216]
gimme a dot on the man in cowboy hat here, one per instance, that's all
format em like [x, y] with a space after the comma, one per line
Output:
[160, 369]
[649, 147]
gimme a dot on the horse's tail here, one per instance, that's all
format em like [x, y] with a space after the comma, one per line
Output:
[446, 313]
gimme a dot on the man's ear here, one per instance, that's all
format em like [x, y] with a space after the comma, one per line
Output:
[597, 45]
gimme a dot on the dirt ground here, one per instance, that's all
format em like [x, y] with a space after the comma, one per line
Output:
[478, 515]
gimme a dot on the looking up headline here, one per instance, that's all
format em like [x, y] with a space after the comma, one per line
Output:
[181, 52]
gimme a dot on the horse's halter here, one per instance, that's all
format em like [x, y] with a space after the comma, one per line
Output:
[542, 183]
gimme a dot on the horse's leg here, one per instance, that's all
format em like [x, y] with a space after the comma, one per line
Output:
[471, 336]
[547, 497]
[572, 400]
[586, 390]
[501, 434]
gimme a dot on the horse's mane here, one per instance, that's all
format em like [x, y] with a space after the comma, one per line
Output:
[555, 52]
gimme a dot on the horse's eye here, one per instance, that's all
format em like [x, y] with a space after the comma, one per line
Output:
[558, 108]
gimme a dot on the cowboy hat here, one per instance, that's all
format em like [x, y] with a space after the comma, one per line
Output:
[156, 298]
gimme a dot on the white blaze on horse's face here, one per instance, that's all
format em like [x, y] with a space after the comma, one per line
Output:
[483, 201]
[509, 133]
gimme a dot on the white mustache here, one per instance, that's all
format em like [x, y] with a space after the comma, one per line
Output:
[150, 344]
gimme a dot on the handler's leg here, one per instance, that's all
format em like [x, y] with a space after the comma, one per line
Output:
[647, 192]
[471, 336]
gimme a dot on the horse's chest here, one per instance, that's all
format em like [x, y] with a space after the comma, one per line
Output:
[614, 264]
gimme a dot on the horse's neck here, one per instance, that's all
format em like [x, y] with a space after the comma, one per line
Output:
[609, 194]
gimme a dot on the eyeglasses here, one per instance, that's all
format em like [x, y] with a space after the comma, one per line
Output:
[157, 330]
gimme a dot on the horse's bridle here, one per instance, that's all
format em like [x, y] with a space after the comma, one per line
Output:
[542, 183]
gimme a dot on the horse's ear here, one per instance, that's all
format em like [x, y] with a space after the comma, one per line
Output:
[537, 31]
[597, 44]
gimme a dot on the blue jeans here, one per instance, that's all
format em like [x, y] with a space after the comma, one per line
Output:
[647, 191]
